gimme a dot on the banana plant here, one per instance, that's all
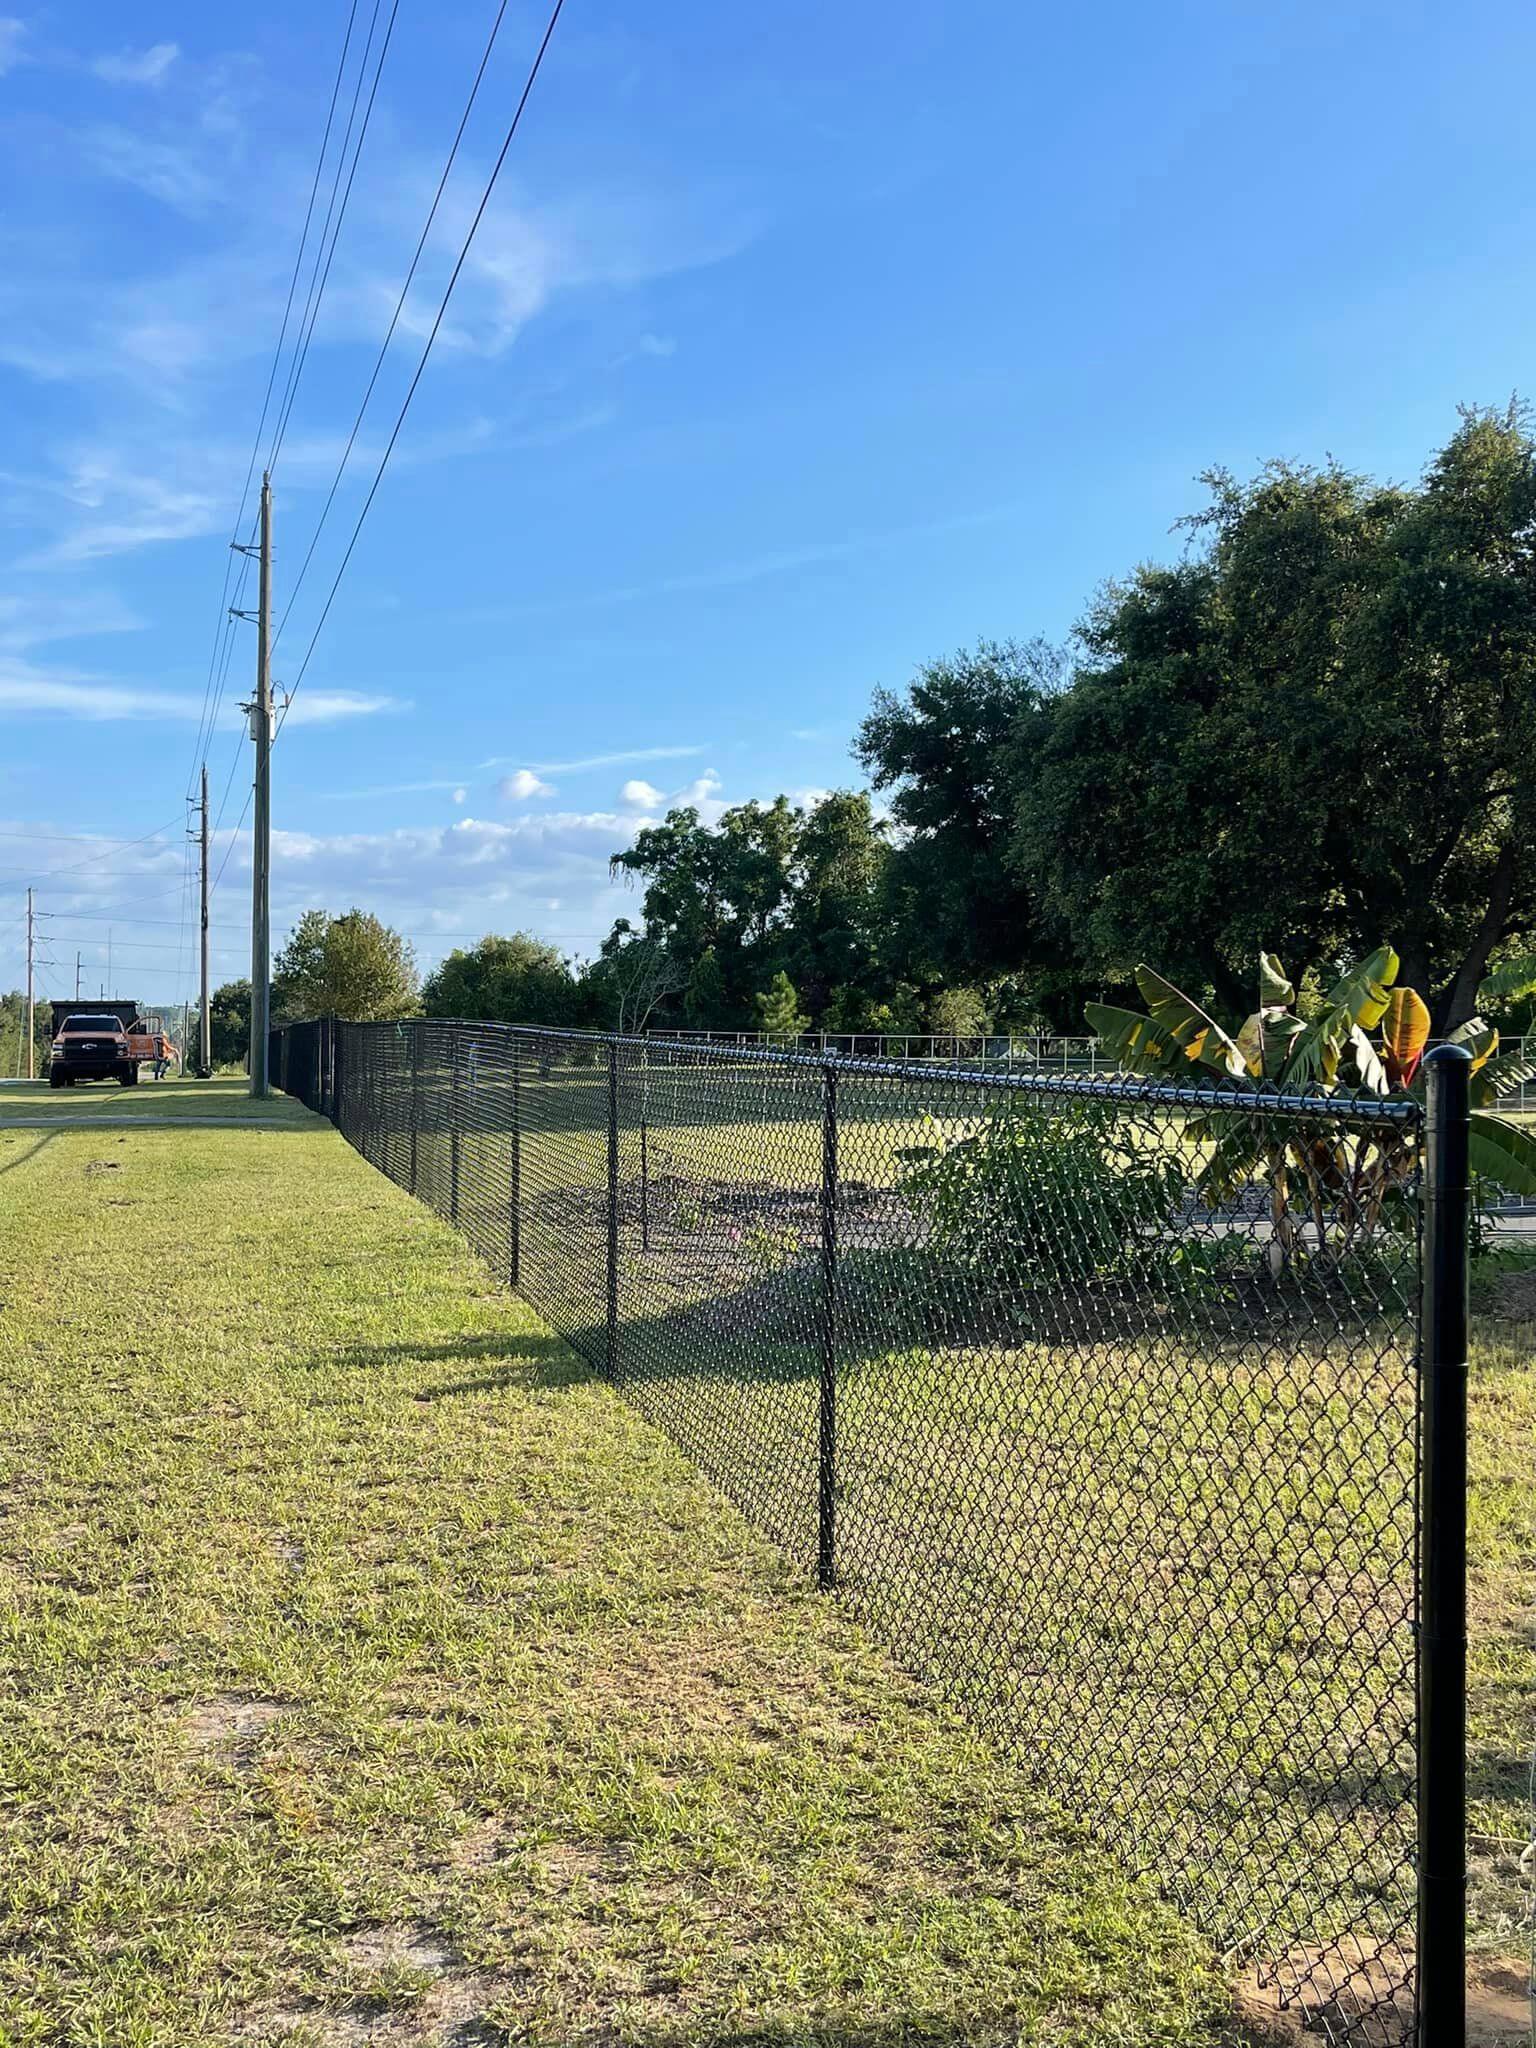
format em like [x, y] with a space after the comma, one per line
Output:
[1346, 1176]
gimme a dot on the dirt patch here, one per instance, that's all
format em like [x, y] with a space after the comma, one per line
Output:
[1498, 2001]
[231, 1724]
[1498, 2006]
[1513, 1296]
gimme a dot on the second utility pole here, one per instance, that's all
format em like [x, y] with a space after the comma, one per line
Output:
[261, 827]
[31, 1028]
[204, 1028]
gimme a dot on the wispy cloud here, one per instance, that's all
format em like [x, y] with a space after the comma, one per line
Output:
[395, 789]
[13, 35]
[331, 707]
[620, 759]
[756, 568]
[71, 694]
[141, 67]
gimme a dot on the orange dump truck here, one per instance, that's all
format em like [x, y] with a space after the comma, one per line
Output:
[149, 1044]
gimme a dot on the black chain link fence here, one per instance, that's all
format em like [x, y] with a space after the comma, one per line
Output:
[1099, 1401]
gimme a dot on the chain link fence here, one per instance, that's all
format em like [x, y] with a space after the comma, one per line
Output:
[1098, 1401]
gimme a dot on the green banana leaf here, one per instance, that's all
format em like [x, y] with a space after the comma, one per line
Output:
[1275, 989]
[1133, 1042]
[1359, 997]
[1497, 1077]
[1509, 983]
[1503, 1152]
[1200, 1036]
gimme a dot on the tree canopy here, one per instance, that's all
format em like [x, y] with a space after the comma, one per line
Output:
[348, 966]
[516, 980]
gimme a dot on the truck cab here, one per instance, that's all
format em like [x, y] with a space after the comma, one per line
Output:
[91, 1045]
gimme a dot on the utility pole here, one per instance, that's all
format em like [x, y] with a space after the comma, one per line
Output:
[204, 1024]
[261, 828]
[31, 1028]
[77, 977]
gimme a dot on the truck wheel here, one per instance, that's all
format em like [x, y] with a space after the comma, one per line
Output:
[55, 1080]
[126, 1076]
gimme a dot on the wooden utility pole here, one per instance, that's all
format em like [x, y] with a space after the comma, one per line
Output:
[261, 828]
[204, 1020]
[77, 977]
[31, 1028]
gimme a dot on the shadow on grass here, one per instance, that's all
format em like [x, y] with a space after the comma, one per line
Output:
[31, 1152]
[521, 1362]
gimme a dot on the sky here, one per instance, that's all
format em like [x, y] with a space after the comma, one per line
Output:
[797, 346]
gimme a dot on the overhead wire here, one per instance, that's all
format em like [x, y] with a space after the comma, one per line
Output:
[485, 200]
[312, 313]
[224, 623]
[394, 318]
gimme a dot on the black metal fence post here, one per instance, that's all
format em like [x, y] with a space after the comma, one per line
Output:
[415, 1099]
[338, 1074]
[516, 1198]
[826, 1427]
[613, 1207]
[1442, 1648]
[453, 1136]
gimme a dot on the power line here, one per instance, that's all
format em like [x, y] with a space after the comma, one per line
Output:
[394, 318]
[485, 200]
[223, 624]
[301, 352]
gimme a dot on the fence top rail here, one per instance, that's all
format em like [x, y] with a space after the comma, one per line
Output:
[1256, 1101]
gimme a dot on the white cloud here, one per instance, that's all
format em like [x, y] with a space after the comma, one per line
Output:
[460, 795]
[637, 795]
[26, 689]
[327, 707]
[524, 784]
[12, 35]
[618, 760]
[72, 694]
[145, 67]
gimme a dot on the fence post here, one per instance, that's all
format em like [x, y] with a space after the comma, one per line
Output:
[613, 1205]
[1442, 1658]
[516, 1276]
[453, 1137]
[415, 1097]
[645, 1148]
[826, 1425]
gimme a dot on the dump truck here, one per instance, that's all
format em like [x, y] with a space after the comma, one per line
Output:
[90, 1043]
[85, 1042]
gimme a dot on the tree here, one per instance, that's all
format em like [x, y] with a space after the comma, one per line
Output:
[834, 937]
[779, 1011]
[350, 966]
[229, 1018]
[517, 980]
[1318, 727]
[704, 999]
[632, 977]
[955, 901]
[13, 1034]
[957, 1013]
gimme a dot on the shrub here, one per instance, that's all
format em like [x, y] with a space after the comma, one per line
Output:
[1036, 1194]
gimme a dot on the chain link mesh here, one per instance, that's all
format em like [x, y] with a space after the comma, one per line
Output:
[1096, 1400]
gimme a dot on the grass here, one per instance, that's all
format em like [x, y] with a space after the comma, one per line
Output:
[150, 1099]
[1180, 1556]
[372, 1673]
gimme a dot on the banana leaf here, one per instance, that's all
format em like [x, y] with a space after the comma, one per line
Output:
[1498, 1077]
[1509, 983]
[1275, 989]
[1480, 1039]
[1359, 997]
[1503, 1152]
[1200, 1036]
[1404, 1034]
[1134, 1043]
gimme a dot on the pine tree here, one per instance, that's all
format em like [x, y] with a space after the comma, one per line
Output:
[779, 1009]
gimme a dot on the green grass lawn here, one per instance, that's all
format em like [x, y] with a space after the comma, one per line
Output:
[372, 1673]
[173, 1097]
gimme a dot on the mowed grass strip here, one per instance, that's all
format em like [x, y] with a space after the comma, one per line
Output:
[372, 1674]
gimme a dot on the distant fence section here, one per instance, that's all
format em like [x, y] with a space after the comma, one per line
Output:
[997, 1052]
[1107, 1405]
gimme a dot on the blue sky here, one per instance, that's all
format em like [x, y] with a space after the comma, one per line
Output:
[799, 345]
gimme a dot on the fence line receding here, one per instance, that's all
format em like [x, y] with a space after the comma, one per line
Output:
[1098, 1400]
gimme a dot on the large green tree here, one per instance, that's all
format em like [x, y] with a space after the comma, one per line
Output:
[956, 906]
[350, 966]
[1316, 730]
[229, 1019]
[518, 980]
